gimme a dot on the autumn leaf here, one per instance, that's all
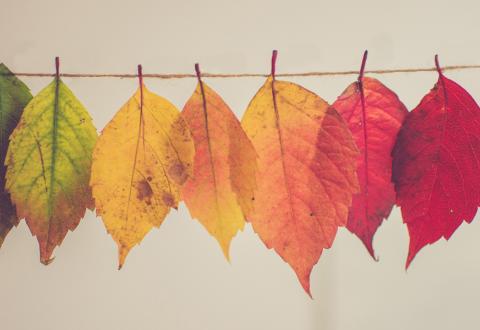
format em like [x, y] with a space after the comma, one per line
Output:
[140, 161]
[48, 165]
[436, 166]
[14, 96]
[307, 172]
[374, 115]
[220, 192]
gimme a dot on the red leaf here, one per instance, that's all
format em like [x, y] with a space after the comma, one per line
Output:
[374, 114]
[436, 164]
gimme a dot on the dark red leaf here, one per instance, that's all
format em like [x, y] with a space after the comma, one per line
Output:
[436, 164]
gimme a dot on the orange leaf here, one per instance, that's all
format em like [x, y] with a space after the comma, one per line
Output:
[221, 190]
[306, 172]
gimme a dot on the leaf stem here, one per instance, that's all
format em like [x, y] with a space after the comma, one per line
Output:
[140, 74]
[197, 71]
[437, 65]
[274, 62]
[57, 67]
[140, 81]
[441, 78]
[362, 68]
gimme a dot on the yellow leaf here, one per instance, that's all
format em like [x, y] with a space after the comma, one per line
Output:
[221, 190]
[140, 161]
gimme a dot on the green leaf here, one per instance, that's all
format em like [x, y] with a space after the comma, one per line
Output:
[49, 161]
[14, 96]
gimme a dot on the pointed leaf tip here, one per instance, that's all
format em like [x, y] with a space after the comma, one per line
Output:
[368, 243]
[122, 255]
[47, 261]
[225, 245]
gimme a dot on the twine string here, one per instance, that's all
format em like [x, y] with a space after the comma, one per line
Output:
[241, 75]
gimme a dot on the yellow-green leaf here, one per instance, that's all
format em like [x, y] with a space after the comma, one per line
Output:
[48, 165]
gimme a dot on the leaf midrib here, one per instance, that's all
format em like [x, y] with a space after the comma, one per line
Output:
[54, 149]
[365, 144]
[209, 145]
[282, 152]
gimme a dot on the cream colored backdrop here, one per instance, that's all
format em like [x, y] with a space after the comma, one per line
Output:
[178, 278]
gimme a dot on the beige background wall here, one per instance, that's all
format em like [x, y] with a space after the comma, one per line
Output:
[178, 278]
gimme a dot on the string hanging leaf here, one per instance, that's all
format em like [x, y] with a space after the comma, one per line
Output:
[140, 161]
[436, 166]
[220, 192]
[14, 96]
[374, 115]
[48, 164]
[306, 172]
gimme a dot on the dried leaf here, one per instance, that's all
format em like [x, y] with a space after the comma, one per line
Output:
[14, 96]
[374, 115]
[140, 161]
[48, 162]
[220, 192]
[436, 166]
[307, 172]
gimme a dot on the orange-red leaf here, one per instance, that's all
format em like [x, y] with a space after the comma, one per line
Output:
[374, 115]
[306, 172]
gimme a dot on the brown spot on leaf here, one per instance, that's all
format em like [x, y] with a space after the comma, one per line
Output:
[178, 173]
[168, 200]
[144, 191]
